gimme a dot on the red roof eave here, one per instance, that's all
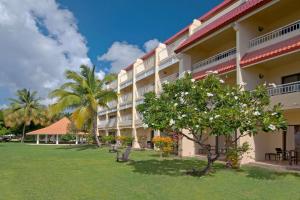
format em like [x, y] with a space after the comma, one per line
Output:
[271, 51]
[221, 69]
[221, 22]
[216, 9]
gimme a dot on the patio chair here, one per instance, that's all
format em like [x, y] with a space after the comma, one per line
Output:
[293, 157]
[125, 156]
[279, 153]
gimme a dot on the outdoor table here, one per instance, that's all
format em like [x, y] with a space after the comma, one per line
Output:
[269, 155]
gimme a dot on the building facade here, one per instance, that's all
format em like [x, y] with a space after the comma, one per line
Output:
[246, 41]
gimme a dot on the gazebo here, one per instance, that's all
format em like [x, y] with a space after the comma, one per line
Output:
[60, 127]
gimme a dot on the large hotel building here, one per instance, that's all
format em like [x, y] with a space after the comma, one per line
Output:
[246, 41]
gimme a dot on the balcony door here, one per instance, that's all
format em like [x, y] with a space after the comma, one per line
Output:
[291, 78]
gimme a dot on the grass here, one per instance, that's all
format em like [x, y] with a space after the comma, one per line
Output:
[58, 172]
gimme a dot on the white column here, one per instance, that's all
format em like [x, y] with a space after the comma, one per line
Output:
[46, 139]
[185, 64]
[76, 139]
[57, 139]
[37, 139]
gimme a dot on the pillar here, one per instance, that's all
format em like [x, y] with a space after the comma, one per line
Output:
[185, 64]
[37, 139]
[135, 143]
[186, 146]
[76, 139]
[57, 139]
[46, 139]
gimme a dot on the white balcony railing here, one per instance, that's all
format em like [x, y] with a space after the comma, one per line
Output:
[102, 111]
[112, 122]
[216, 59]
[170, 78]
[126, 99]
[113, 85]
[102, 124]
[145, 74]
[170, 60]
[126, 83]
[291, 29]
[142, 91]
[284, 89]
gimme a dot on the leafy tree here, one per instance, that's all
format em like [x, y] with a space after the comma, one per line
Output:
[196, 110]
[83, 94]
[23, 110]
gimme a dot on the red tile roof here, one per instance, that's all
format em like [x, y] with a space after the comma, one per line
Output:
[177, 35]
[148, 55]
[224, 20]
[221, 68]
[128, 68]
[216, 10]
[60, 127]
[271, 51]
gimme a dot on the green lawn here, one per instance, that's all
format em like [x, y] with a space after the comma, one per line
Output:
[57, 172]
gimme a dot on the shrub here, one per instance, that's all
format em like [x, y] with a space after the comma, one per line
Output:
[235, 154]
[125, 140]
[68, 137]
[108, 139]
[164, 144]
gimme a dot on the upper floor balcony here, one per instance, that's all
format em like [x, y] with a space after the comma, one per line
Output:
[143, 90]
[126, 83]
[113, 85]
[170, 78]
[112, 123]
[286, 94]
[125, 121]
[146, 68]
[125, 101]
[102, 111]
[214, 60]
[112, 106]
[126, 78]
[167, 56]
[281, 34]
[102, 124]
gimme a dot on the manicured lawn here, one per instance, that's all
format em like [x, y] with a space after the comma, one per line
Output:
[57, 172]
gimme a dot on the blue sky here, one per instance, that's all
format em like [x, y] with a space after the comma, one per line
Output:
[42, 39]
[134, 21]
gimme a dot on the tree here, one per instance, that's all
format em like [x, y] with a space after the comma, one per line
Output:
[23, 110]
[83, 94]
[196, 110]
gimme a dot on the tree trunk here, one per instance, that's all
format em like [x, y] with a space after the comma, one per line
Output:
[23, 133]
[94, 130]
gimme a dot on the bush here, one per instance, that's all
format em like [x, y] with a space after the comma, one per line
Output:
[235, 154]
[109, 139]
[164, 144]
[125, 140]
[68, 137]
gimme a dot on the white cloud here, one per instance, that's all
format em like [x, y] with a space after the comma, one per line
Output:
[3, 106]
[151, 44]
[100, 74]
[39, 41]
[121, 54]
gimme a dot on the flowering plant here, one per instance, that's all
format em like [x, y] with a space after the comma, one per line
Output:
[125, 140]
[164, 144]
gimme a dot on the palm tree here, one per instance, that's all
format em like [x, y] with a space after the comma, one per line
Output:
[23, 110]
[83, 95]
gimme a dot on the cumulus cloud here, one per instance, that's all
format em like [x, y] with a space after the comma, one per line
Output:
[121, 54]
[39, 41]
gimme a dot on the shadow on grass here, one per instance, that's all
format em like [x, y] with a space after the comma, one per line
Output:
[265, 174]
[78, 147]
[170, 167]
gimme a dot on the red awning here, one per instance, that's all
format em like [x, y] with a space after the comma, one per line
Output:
[60, 127]
[221, 69]
[223, 21]
[271, 51]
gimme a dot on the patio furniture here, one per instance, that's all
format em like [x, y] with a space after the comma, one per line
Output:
[279, 153]
[268, 156]
[293, 157]
[125, 156]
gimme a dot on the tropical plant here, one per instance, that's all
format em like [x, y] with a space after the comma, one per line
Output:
[23, 110]
[196, 110]
[108, 139]
[163, 144]
[125, 140]
[83, 94]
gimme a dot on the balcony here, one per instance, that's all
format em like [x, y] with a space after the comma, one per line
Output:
[167, 56]
[215, 60]
[125, 121]
[126, 101]
[102, 124]
[112, 86]
[102, 111]
[142, 91]
[145, 74]
[112, 106]
[286, 94]
[278, 35]
[112, 123]
[170, 78]
[126, 83]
